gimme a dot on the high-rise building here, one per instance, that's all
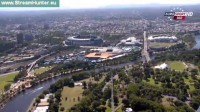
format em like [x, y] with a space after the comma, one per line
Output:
[28, 37]
[20, 38]
[46, 26]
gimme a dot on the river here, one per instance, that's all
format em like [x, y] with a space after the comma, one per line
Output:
[197, 38]
[21, 102]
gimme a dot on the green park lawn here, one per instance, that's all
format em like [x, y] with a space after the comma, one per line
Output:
[152, 82]
[6, 80]
[91, 79]
[108, 109]
[189, 82]
[68, 96]
[42, 70]
[161, 44]
[177, 65]
[166, 103]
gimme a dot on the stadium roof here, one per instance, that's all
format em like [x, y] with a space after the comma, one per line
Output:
[103, 55]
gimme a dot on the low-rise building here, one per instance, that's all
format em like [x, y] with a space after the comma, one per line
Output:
[131, 41]
[162, 66]
[99, 55]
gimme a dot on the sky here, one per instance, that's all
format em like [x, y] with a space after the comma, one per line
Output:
[76, 4]
[84, 4]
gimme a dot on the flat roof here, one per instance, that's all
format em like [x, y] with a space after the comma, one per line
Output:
[43, 104]
[102, 55]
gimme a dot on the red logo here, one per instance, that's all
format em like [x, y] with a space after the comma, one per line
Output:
[179, 17]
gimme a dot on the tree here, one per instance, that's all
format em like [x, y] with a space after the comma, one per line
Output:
[95, 104]
[79, 98]
[7, 87]
[74, 99]
[107, 93]
[65, 98]
[21, 74]
[194, 105]
[116, 100]
[125, 102]
[58, 94]
[194, 72]
[37, 100]
[41, 96]
[62, 109]
[84, 85]
[45, 92]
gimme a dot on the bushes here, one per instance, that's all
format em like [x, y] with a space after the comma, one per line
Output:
[20, 75]
[141, 104]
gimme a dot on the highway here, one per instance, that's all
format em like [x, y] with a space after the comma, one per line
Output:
[145, 52]
[34, 62]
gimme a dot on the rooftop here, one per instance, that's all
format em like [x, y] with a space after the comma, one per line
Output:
[161, 37]
[103, 55]
[162, 66]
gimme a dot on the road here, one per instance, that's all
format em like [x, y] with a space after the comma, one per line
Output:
[112, 94]
[34, 62]
[9, 73]
[24, 63]
[145, 52]
[118, 107]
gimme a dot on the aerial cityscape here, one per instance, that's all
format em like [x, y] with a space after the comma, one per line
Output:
[103, 58]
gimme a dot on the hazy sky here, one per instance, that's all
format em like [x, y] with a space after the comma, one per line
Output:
[102, 3]
[79, 4]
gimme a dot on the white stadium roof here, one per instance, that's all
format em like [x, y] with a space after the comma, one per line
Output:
[161, 37]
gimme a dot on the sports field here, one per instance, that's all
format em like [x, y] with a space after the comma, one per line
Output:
[6, 80]
[71, 96]
[161, 44]
[177, 65]
[42, 70]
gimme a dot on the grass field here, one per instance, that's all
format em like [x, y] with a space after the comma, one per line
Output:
[152, 82]
[177, 65]
[189, 82]
[6, 80]
[161, 44]
[91, 79]
[41, 70]
[166, 103]
[68, 96]
[108, 109]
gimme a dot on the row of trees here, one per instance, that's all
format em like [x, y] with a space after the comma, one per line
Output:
[165, 82]
[191, 56]
[4, 46]
[142, 101]
[133, 56]
[64, 68]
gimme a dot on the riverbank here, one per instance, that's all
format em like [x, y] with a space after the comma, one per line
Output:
[10, 94]
[26, 97]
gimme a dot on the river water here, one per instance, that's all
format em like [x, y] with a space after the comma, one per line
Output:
[197, 38]
[21, 102]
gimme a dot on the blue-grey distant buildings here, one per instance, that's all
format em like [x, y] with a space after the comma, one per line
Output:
[20, 38]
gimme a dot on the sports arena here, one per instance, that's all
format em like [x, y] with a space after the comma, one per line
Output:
[162, 38]
[84, 40]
